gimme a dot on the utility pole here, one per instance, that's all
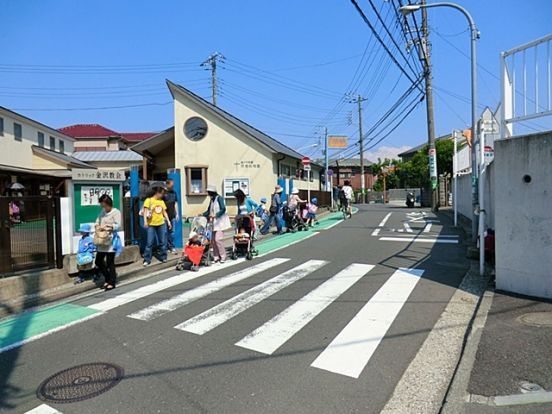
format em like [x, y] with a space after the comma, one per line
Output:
[211, 64]
[326, 161]
[426, 60]
[359, 101]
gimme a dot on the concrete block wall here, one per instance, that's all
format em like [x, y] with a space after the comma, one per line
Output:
[523, 214]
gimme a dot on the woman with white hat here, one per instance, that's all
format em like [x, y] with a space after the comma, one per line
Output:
[217, 213]
[294, 200]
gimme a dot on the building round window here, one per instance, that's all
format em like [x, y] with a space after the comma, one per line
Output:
[195, 128]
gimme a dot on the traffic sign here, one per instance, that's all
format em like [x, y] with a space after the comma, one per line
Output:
[330, 172]
[306, 161]
[307, 167]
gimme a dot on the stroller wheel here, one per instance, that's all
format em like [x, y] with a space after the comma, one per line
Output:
[234, 256]
[249, 255]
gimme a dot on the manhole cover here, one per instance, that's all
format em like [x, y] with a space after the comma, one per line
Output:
[80, 383]
[539, 319]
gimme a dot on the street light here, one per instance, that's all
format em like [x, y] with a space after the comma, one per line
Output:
[410, 8]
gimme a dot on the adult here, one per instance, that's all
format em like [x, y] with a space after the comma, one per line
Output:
[216, 212]
[171, 201]
[107, 224]
[294, 200]
[246, 209]
[347, 196]
[157, 225]
[275, 211]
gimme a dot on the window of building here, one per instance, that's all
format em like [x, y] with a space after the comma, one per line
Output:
[62, 146]
[195, 128]
[1, 126]
[196, 180]
[17, 131]
[52, 143]
[286, 170]
[41, 139]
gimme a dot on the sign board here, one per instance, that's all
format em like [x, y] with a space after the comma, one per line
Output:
[86, 207]
[330, 172]
[90, 194]
[338, 141]
[231, 185]
[307, 167]
[97, 175]
[489, 153]
[433, 167]
[306, 161]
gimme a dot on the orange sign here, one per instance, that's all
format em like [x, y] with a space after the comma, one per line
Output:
[337, 141]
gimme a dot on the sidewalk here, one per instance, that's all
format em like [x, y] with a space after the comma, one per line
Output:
[507, 366]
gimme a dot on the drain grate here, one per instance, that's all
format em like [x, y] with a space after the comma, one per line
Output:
[80, 383]
[538, 319]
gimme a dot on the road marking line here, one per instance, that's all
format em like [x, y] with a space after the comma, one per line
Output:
[43, 409]
[277, 331]
[407, 227]
[427, 228]
[382, 223]
[147, 290]
[221, 313]
[419, 240]
[168, 305]
[353, 347]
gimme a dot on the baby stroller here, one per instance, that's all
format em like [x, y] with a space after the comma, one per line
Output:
[243, 239]
[293, 220]
[195, 255]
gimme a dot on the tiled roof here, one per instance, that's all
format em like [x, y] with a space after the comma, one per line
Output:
[88, 131]
[137, 136]
[99, 131]
[349, 162]
[92, 156]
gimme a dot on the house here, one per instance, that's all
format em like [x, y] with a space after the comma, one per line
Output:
[104, 147]
[34, 155]
[212, 146]
[349, 169]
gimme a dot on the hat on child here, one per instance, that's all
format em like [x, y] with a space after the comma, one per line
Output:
[314, 200]
[85, 228]
[263, 200]
[192, 235]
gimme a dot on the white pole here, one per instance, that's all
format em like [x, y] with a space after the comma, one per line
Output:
[455, 177]
[482, 172]
[308, 185]
[331, 192]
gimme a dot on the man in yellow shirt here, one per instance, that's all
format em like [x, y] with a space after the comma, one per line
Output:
[156, 223]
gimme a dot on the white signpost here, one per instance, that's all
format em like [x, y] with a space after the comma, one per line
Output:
[307, 167]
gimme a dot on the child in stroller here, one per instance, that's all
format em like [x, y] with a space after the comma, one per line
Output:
[243, 240]
[197, 250]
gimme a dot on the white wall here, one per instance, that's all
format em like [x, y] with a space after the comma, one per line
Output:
[19, 153]
[523, 214]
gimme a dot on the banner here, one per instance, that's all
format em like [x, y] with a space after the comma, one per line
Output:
[338, 141]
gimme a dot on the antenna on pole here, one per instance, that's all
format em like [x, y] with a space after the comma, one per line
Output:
[211, 64]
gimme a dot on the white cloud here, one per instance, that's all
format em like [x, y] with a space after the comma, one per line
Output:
[385, 152]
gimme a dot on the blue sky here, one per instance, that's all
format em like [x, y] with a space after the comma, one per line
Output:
[288, 63]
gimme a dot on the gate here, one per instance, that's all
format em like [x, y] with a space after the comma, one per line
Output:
[30, 233]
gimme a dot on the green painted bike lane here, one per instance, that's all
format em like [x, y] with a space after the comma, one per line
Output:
[16, 331]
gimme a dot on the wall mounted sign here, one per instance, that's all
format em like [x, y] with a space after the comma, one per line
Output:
[97, 175]
[231, 185]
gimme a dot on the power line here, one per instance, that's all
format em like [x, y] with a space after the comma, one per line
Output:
[94, 108]
[367, 21]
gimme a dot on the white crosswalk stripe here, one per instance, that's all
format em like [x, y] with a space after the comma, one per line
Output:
[277, 331]
[351, 350]
[161, 308]
[219, 314]
[43, 409]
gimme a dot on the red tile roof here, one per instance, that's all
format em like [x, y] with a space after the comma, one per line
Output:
[99, 131]
[137, 136]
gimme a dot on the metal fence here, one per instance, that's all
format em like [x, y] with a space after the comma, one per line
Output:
[131, 208]
[30, 233]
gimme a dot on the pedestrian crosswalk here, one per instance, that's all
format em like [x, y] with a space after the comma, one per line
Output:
[347, 354]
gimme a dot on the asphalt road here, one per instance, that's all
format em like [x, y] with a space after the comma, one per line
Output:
[329, 336]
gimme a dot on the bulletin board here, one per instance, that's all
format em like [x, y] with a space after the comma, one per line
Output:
[230, 186]
[86, 197]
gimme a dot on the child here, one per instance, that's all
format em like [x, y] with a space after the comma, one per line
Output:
[193, 239]
[85, 254]
[242, 236]
[261, 217]
[312, 207]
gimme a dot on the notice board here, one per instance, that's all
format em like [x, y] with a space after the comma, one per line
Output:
[86, 198]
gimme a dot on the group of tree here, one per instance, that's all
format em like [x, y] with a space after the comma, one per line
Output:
[414, 173]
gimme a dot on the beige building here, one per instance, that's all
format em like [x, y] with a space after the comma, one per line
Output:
[211, 146]
[34, 155]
